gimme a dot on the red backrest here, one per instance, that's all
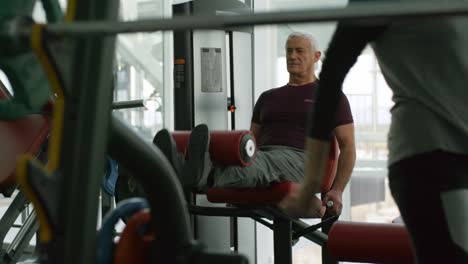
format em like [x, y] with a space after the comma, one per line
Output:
[331, 166]
[19, 137]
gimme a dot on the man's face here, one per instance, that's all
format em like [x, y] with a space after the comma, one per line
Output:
[300, 57]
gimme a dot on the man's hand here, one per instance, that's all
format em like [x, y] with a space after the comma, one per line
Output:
[336, 197]
[299, 205]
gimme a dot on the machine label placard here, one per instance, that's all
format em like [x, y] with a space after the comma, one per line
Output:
[211, 70]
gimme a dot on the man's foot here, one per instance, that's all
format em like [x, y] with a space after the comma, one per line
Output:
[198, 165]
[165, 142]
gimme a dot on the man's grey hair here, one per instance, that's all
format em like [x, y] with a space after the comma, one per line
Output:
[303, 35]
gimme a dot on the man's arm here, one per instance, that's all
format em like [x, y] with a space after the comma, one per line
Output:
[346, 45]
[345, 136]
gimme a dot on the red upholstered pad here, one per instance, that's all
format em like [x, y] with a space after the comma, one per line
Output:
[370, 242]
[226, 147]
[133, 247]
[251, 196]
[24, 136]
[331, 166]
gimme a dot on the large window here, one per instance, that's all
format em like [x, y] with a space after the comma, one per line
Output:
[370, 100]
[142, 67]
[367, 198]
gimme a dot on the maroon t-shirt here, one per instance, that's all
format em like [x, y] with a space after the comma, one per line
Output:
[283, 114]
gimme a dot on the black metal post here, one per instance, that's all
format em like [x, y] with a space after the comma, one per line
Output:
[169, 212]
[326, 258]
[234, 233]
[231, 67]
[282, 240]
[128, 104]
[183, 72]
[84, 144]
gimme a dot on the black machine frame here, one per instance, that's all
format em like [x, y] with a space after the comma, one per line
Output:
[286, 229]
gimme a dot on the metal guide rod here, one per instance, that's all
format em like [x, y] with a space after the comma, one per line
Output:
[370, 13]
[128, 104]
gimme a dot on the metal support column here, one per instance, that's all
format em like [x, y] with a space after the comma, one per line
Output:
[84, 144]
[183, 72]
[282, 240]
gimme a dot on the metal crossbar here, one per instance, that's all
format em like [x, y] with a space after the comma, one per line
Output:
[356, 13]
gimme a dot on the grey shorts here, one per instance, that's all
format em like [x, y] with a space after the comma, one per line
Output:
[272, 164]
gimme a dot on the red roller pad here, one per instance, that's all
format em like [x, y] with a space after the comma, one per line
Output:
[19, 137]
[225, 146]
[132, 246]
[252, 196]
[370, 242]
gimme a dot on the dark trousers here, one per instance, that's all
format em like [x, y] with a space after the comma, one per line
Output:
[431, 191]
